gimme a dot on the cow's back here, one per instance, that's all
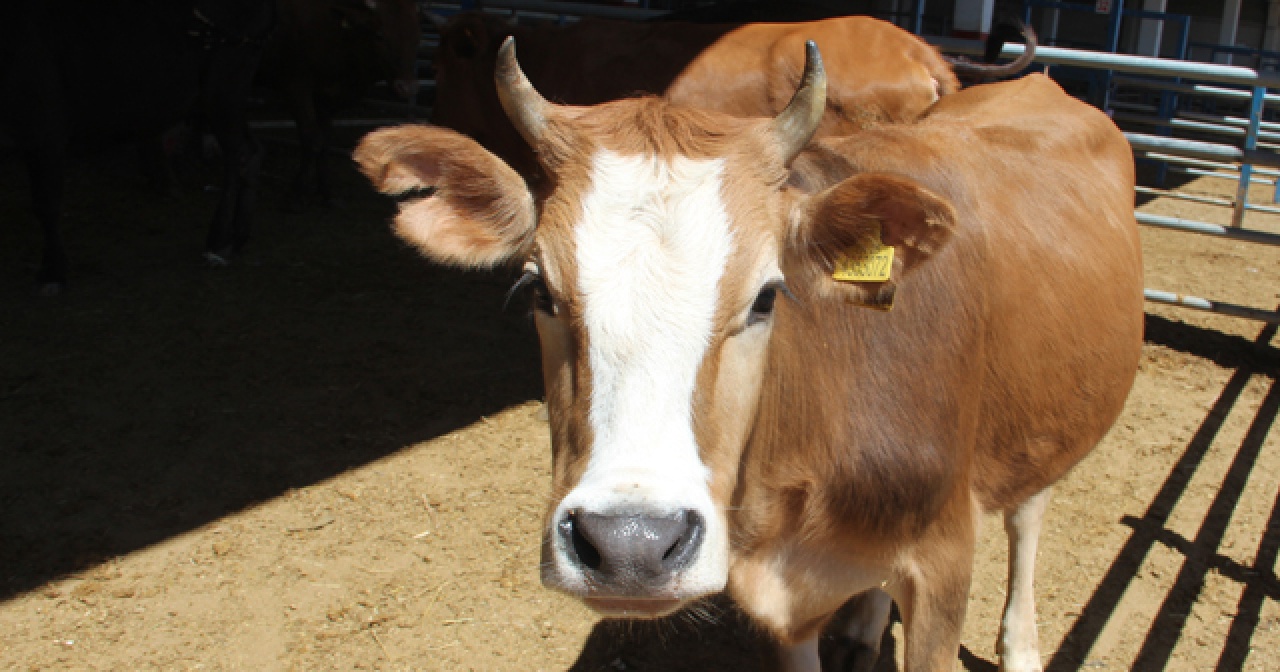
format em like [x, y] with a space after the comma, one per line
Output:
[877, 72]
[1048, 263]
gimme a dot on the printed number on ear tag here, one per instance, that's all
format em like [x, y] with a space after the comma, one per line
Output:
[868, 261]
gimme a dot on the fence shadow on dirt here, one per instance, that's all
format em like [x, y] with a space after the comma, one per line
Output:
[1200, 554]
[158, 395]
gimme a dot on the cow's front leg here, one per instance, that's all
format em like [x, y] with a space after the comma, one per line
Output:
[1018, 645]
[932, 593]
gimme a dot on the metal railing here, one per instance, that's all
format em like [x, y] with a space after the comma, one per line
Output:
[1245, 156]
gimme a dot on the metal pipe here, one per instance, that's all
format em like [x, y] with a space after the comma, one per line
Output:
[1200, 163]
[1207, 229]
[1202, 150]
[1187, 301]
[1209, 173]
[1229, 121]
[1198, 89]
[1190, 125]
[1250, 144]
[1183, 195]
[1142, 65]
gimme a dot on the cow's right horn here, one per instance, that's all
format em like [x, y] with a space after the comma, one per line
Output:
[795, 126]
[525, 107]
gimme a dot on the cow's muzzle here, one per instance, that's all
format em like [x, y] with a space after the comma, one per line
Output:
[630, 556]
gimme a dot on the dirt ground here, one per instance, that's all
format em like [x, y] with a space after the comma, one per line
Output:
[329, 456]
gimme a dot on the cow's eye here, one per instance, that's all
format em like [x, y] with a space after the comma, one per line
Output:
[539, 295]
[762, 308]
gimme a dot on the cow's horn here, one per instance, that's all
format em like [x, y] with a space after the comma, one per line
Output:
[795, 126]
[526, 108]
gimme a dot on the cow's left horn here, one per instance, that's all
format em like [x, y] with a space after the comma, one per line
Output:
[795, 126]
[525, 107]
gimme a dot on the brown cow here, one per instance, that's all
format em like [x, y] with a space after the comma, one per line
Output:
[805, 451]
[878, 72]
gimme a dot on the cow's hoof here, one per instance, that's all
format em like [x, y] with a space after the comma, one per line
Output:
[215, 260]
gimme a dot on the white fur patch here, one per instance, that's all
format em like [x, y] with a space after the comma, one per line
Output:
[651, 247]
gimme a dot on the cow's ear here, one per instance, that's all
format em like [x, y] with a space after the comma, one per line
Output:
[859, 238]
[460, 205]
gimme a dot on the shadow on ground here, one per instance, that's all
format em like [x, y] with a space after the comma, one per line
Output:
[1248, 358]
[157, 394]
[715, 637]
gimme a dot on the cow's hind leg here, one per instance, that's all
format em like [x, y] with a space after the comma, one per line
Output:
[1019, 642]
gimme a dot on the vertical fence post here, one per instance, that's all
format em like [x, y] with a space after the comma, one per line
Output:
[918, 25]
[1250, 144]
[1113, 46]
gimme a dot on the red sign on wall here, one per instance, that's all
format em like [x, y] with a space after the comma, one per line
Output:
[1102, 6]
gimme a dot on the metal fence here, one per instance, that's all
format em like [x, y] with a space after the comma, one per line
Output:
[1206, 157]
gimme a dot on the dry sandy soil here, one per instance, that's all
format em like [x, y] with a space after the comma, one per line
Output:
[329, 456]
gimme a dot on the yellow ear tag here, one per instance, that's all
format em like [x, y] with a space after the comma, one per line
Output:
[868, 261]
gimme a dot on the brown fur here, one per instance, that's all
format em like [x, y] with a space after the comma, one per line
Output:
[852, 446]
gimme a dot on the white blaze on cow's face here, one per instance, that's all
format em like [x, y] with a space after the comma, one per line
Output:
[638, 313]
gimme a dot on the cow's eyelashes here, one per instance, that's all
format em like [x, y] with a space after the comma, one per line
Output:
[539, 295]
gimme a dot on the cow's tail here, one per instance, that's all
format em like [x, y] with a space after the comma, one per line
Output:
[1004, 32]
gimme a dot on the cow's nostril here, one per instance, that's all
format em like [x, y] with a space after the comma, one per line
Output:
[587, 554]
[685, 547]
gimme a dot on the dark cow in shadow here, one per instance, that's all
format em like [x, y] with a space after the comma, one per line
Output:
[325, 55]
[82, 73]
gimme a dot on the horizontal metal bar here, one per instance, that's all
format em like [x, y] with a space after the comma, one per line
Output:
[1205, 228]
[1184, 196]
[1142, 65]
[1190, 125]
[1202, 150]
[1181, 124]
[1187, 301]
[1179, 147]
[1254, 179]
[1200, 163]
[1133, 107]
[1270, 209]
[1229, 121]
[1198, 89]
